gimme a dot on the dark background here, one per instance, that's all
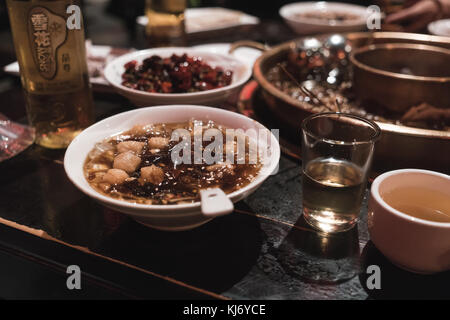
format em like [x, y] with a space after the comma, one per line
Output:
[128, 10]
[114, 21]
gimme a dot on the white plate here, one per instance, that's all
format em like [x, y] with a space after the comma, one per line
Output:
[440, 28]
[210, 19]
[246, 55]
[302, 25]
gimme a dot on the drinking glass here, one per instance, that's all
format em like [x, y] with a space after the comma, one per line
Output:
[165, 26]
[337, 154]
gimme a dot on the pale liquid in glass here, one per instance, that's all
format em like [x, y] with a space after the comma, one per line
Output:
[332, 194]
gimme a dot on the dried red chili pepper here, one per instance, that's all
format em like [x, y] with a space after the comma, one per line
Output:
[177, 74]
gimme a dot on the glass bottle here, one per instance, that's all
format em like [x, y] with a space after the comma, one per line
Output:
[50, 47]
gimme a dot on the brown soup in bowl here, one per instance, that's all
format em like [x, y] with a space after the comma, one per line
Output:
[138, 165]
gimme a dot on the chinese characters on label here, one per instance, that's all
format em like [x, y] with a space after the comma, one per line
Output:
[39, 21]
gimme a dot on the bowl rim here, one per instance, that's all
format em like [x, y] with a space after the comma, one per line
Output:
[317, 22]
[375, 194]
[345, 117]
[109, 70]
[259, 179]
[433, 27]
[392, 46]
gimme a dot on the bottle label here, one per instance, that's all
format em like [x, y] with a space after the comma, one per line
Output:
[49, 41]
[47, 32]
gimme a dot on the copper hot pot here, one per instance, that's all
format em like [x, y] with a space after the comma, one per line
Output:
[396, 76]
[399, 146]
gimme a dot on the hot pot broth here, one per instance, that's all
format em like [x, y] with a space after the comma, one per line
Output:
[330, 16]
[136, 166]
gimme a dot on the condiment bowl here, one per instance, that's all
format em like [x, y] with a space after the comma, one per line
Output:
[440, 27]
[174, 217]
[241, 74]
[413, 244]
[305, 25]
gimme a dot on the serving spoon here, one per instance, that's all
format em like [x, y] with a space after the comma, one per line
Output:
[215, 203]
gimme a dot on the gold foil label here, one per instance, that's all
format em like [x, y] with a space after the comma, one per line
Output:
[47, 33]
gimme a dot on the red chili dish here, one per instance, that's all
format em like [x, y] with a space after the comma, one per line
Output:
[177, 74]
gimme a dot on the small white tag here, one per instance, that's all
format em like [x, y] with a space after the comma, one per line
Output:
[215, 203]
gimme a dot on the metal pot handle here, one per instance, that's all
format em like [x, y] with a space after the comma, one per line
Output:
[248, 43]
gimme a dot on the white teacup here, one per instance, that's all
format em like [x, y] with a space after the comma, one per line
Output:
[413, 244]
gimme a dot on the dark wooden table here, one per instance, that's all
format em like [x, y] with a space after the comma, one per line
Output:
[263, 250]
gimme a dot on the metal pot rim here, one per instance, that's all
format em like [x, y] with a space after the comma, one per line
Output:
[385, 127]
[354, 60]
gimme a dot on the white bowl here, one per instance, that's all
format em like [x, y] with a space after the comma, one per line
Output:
[440, 27]
[165, 217]
[241, 73]
[411, 243]
[312, 26]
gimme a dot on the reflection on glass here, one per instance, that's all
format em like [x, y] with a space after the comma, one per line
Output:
[320, 257]
[14, 138]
